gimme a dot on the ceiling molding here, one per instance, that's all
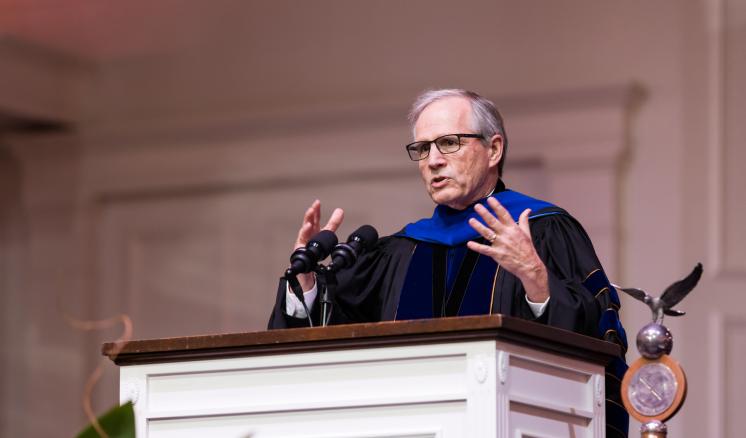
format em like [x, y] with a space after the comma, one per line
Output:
[39, 85]
[225, 124]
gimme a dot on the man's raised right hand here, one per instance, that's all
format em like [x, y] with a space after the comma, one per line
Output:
[311, 226]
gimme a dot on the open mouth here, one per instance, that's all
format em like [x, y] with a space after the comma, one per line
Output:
[438, 181]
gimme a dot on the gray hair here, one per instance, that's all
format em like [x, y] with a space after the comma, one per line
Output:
[486, 119]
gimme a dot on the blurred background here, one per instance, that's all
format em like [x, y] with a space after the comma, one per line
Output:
[156, 158]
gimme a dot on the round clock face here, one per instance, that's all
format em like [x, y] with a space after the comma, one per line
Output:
[652, 389]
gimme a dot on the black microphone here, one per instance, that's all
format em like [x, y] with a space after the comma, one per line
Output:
[305, 259]
[345, 254]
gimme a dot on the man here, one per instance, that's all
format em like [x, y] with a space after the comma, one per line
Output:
[485, 250]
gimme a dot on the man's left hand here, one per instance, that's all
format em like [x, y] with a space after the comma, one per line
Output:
[510, 245]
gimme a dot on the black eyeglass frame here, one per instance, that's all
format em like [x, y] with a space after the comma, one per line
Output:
[435, 142]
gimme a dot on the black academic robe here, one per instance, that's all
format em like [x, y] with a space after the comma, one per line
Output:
[369, 292]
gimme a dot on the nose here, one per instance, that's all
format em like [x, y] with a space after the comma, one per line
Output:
[435, 159]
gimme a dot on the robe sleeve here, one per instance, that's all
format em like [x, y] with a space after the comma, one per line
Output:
[279, 319]
[367, 292]
[569, 256]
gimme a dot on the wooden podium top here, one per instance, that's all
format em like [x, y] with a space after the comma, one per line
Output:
[391, 333]
[457, 329]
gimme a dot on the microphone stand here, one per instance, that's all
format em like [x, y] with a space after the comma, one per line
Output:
[327, 284]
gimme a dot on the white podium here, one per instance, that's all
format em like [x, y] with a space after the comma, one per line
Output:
[470, 377]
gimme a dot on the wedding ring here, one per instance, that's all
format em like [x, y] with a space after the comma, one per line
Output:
[492, 238]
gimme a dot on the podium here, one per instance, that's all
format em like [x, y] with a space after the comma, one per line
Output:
[471, 377]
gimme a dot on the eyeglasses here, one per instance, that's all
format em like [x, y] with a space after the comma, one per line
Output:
[446, 144]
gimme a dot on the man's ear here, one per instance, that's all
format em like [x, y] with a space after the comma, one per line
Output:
[495, 149]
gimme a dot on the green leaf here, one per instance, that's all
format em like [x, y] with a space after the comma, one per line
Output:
[119, 422]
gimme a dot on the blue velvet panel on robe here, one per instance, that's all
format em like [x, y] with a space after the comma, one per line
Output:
[416, 300]
[451, 227]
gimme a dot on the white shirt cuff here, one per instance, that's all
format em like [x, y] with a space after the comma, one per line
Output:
[293, 306]
[536, 308]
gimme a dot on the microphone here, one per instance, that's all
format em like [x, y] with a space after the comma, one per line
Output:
[345, 254]
[304, 259]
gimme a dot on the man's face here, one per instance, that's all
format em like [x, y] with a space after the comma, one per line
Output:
[460, 178]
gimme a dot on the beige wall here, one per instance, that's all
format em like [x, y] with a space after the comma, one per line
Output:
[176, 193]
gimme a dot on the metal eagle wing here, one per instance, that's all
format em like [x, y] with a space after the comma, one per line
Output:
[635, 293]
[677, 291]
